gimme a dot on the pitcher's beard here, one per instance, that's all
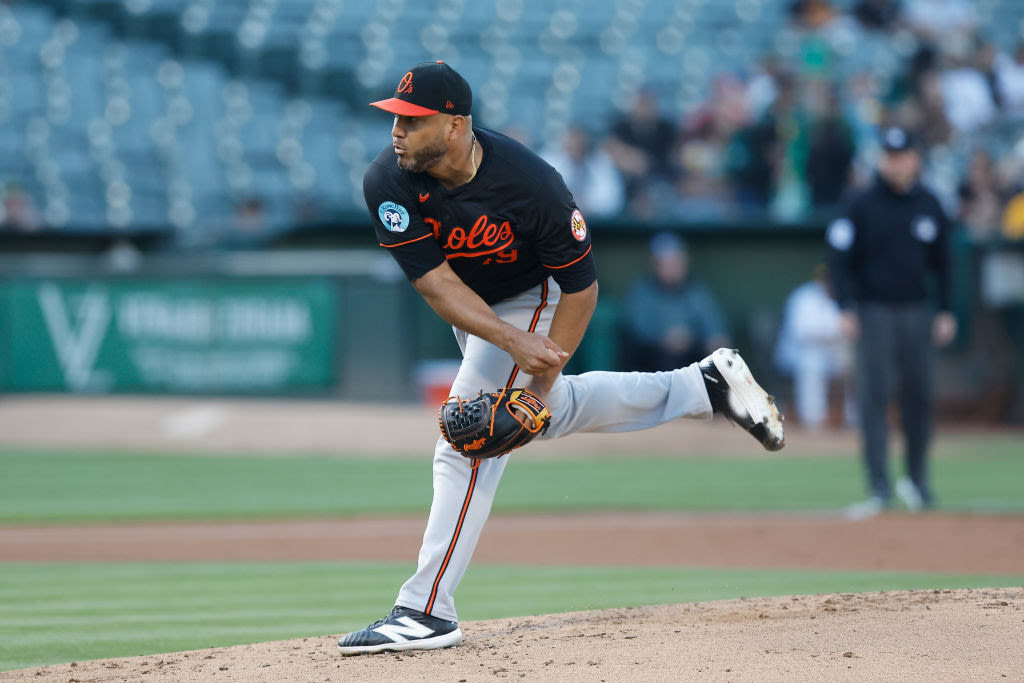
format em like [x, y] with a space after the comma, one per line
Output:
[425, 159]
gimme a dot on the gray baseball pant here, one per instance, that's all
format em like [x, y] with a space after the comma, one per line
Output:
[590, 402]
[894, 351]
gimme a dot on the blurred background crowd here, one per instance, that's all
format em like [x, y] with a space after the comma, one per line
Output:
[231, 119]
[786, 135]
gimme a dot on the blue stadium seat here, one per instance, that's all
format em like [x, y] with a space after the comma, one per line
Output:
[189, 150]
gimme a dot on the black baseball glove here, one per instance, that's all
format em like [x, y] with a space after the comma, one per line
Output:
[493, 424]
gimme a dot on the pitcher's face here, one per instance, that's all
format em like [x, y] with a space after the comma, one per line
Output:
[420, 142]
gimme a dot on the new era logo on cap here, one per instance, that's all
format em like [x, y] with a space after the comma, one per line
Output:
[427, 89]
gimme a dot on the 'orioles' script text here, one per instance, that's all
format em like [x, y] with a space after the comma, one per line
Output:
[483, 239]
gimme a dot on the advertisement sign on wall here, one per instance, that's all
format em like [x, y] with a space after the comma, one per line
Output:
[190, 336]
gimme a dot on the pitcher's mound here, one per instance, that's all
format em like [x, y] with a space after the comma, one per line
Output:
[907, 635]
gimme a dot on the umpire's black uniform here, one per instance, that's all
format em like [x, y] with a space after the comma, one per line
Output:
[882, 252]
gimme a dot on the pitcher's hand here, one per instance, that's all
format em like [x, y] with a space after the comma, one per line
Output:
[536, 354]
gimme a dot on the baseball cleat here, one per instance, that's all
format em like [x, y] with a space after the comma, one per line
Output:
[402, 629]
[865, 509]
[735, 394]
[909, 494]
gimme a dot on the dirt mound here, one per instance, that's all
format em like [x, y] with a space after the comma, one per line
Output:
[910, 635]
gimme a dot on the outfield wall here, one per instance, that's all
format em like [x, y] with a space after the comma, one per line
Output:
[325, 314]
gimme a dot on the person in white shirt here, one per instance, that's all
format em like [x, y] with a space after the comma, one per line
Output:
[941, 20]
[589, 173]
[968, 99]
[811, 349]
[1010, 81]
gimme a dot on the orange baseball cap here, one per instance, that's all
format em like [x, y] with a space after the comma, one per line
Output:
[427, 89]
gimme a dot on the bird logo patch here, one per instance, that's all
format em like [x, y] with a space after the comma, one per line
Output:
[395, 217]
[578, 225]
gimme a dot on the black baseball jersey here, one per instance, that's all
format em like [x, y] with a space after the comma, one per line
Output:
[886, 245]
[502, 233]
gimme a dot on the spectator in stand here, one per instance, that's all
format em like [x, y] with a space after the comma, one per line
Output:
[907, 82]
[830, 157]
[862, 108]
[640, 144]
[980, 202]
[703, 193]
[967, 95]
[877, 15]
[756, 152]
[762, 86]
[935, 126]
[17, 210]
[790, 121]
[916, 100]
[589, 173]
[811, 349]
[1013, 217]
[941, 21]
[1010, 82]
[251, 217]
[669, 319]
[984, 60]
[247, 226]
[824, 32]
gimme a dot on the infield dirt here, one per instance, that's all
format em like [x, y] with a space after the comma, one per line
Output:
[908, 636]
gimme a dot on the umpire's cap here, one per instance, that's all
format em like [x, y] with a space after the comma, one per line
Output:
[427, 89]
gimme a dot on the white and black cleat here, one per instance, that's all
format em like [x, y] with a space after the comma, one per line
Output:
[735, 394]
[403, 629]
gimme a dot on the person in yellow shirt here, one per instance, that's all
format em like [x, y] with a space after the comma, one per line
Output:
[1013, 218]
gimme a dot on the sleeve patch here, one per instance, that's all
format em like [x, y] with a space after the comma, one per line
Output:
[578, 226]
[395, 217]
[925, 228]
[840, 234]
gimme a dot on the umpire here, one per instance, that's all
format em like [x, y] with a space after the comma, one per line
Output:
[890, 241]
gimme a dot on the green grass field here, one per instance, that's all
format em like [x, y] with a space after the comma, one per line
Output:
[55, 487]
[53, 613]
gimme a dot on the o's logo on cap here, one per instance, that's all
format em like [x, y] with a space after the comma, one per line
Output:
[578, 225]
[395, 217]
[405, 85]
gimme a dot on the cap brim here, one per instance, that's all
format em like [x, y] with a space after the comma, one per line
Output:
[402, 108]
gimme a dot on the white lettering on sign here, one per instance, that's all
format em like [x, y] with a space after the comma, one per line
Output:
[258, 319]
[205, 369]
[77, 329]
[158, 317]
[145, 315]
